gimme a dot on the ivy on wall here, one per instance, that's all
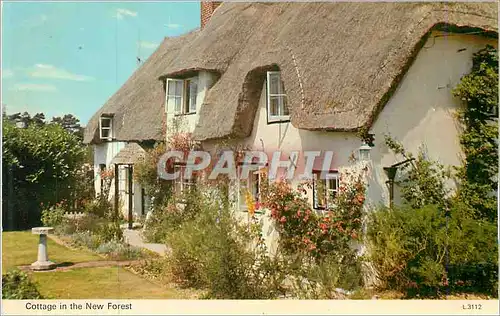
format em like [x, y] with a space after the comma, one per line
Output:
[479, 140]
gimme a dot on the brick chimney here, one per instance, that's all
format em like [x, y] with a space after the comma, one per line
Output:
[207, 9]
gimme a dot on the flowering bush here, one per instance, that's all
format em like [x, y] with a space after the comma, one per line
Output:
[303, 230]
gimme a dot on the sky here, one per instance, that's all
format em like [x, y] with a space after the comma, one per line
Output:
[70, 57]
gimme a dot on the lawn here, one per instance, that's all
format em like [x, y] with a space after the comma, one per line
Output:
[104, 282]
[21, 248]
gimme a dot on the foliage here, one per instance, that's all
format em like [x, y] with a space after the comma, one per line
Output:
[172, 215]
[323, 280]
[54, 215]
[100, 207]
[146, 173]
[17, 285]
[443, 240]
[90, 231]
[119, 251]
[155, 269]
[425, 251]
[423, 181]
[303, 230]
[215, 252]
[479, 140]
[85, 239]
[40, 163]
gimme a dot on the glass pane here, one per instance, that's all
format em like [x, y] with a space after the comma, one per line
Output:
[178, 104]
[333, 184]
[178, 88]
[193, 92]
[274, 106]
[171, 87]
[284, 103]
[274, 83]
[105, 133]
[105, 122]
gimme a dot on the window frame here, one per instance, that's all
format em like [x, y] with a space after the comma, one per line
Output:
[280, 118]
[108, 128]
[249, 185]
[187, 106]
[330, 175]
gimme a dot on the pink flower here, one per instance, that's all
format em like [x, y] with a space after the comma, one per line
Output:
[283, 219]
[299, 213]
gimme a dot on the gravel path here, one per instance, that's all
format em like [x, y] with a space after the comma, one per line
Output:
[134, 238]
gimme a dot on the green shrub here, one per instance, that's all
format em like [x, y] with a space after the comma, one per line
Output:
[422, 251]
[53, 216]
[100, 207]
[172, 215]
[214, 252]
[109, 231]
[17, 285]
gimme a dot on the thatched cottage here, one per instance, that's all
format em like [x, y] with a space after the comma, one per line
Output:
[303, 76]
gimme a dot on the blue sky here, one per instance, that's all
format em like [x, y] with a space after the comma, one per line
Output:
[60, 58]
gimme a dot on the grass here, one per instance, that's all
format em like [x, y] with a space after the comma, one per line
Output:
[101, 283]
[21, 248]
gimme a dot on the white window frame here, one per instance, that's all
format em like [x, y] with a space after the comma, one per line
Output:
[109, 129]
[329, 202]
[280, 116]
[187, 106]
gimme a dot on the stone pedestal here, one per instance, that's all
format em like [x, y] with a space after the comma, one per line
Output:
[42, 262]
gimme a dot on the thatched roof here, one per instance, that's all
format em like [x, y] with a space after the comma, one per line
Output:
[137, 107]
[339, 61]
[129, 155]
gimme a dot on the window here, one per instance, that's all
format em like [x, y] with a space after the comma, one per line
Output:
[181, 184]
[181, 95]
[106, 127]
[325, 190]
[250, 185]
[277, 107]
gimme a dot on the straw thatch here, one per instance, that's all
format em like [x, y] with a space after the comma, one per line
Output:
[339, 61]
[137, 107]
[129, 155]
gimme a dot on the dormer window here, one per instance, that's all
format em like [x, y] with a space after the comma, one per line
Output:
[182, 95]
[106, 127]
[277, 107]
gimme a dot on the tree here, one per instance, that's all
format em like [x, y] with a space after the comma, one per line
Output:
[42, 163]
[69, 123]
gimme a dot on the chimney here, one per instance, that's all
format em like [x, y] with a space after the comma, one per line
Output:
[207, 9]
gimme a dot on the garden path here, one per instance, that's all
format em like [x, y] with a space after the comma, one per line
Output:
[134, 237]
